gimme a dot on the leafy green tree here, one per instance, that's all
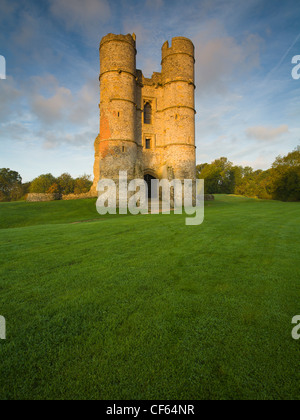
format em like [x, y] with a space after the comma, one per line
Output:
[220, 176]
[82, 184]
[25, 190]
[247, 171]
[285, 180]
[10, 185]
[286, 185]
[236, 177]
[211, 175]
[291, 160]
[254, 184]
[199, 169]
[42, 184]
[281, 182]
[66, 184]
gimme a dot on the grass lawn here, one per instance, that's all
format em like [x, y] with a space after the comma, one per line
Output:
[144, 307]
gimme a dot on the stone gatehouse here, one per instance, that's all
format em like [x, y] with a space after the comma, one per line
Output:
[147, 126]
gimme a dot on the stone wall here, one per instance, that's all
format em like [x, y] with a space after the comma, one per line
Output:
[79, 196]
[54, 197]
[33, 197]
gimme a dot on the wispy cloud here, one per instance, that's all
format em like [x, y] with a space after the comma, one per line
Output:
[222, 58]
[266, 133]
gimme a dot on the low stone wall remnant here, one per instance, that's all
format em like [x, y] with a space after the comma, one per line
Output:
[79, 196]
[34, 197]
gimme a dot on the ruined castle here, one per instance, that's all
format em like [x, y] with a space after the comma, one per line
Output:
[147, 126]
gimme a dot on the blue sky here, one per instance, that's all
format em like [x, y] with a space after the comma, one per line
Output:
[248, 104]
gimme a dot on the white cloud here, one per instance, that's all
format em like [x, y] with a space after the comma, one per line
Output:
[51, 110]
[263, 161]
[48, 112]
[266, 133]
[16, 130]
[83, 139]
[84, 108]
[57, 105]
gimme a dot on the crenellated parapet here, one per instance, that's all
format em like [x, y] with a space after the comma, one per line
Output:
[129, 39]
[178, 60]
[156, 80]
[118, 54]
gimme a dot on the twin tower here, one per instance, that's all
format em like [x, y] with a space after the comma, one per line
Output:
[147, 126]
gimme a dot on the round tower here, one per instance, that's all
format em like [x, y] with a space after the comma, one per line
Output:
[178, 65]
[116, 146]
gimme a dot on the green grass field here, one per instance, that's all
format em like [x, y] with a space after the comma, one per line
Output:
[144, 307]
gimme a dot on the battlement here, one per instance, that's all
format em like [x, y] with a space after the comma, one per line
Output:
[130, 39]
[180, 45]
[156, 79]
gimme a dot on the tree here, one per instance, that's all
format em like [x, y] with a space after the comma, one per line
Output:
[54, 189]
[254, 184]
[199, 169]
[25, 189]
[247, 171]
[10, 185]
[82, 184]
[66, 184]
[211, 175]
[285, 179]
[219, 176]
[281, 182]
[42, 184]
[290, 160]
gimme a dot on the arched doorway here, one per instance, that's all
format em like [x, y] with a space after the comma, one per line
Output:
[148, 178]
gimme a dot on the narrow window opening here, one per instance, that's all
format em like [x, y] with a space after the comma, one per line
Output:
[148, 144]
[118, 114]
[123, 149]
[147, 113]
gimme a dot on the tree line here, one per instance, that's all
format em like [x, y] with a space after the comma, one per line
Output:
[280, 182]
[13, 189]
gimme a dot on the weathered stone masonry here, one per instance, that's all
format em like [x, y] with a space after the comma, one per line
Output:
[147, 126]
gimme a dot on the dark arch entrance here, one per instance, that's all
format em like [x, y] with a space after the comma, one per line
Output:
[148, 178]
